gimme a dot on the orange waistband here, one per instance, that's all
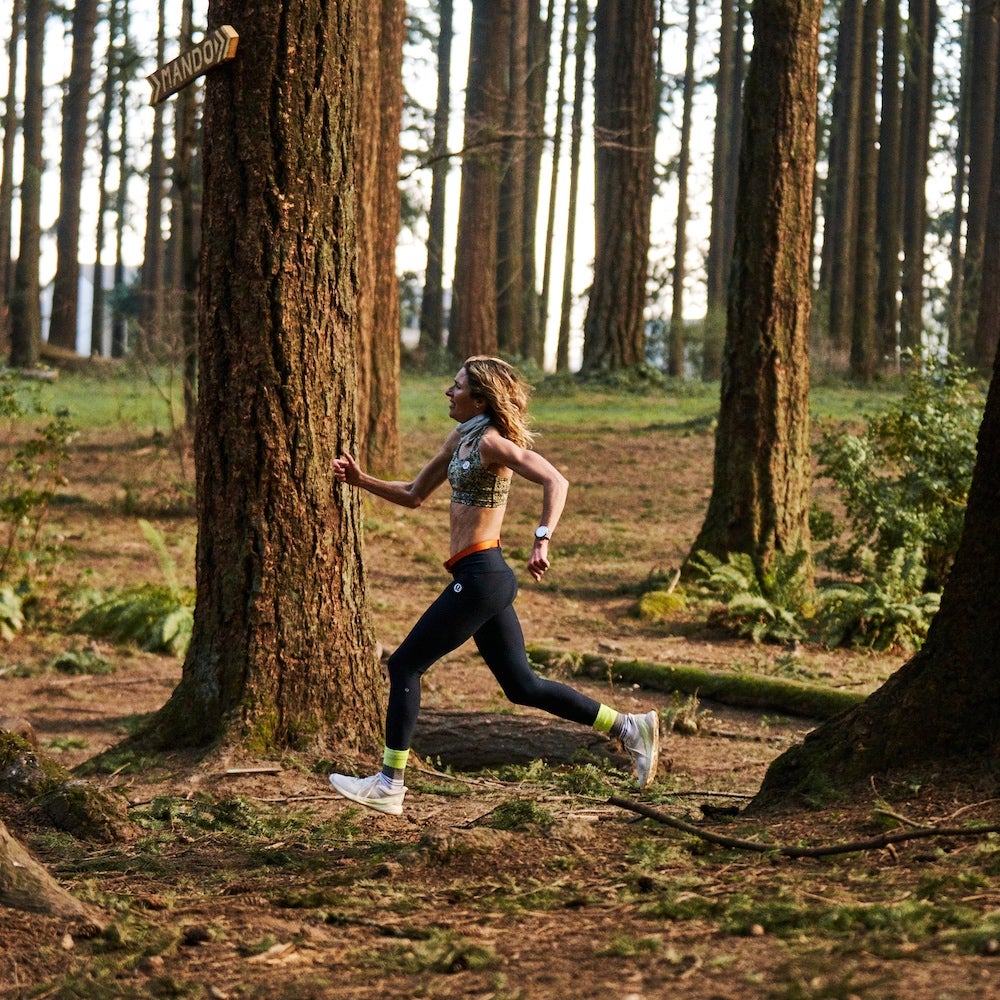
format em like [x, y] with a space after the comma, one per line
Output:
[493, 543]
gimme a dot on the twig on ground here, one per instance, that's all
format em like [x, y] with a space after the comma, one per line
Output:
[885, 840]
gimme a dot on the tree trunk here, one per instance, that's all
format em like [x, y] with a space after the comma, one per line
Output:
[841, 204]
[281, 652]
[979, 74]
[473, 321]
[26, 314]
[987, 331]
[10, 130]
[917, 99]
[65, 289]
[614, 330]
[576, 133]
[725, 174]
[511, 220]
[151, 301]
[864, 354]
[888, 233]
[676, 356]
[761, 487]
[943, 705]
[381, 60]
[557, 138]
[432, 320]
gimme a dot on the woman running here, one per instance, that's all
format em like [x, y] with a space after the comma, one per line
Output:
[489, 401]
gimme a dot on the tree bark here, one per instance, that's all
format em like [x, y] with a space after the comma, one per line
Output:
[943, 705]
[473, 320]
[281, 652]
[614, 330]
[65, 289]
[381, 60]
[26, 314]
[761, 477]
[864, 354]
[10, 130]
[432, 325]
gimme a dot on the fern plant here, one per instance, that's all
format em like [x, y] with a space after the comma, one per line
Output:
[887, 610]
[156, 617]
[762, 607]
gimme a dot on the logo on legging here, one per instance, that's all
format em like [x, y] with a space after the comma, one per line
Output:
[457, 588]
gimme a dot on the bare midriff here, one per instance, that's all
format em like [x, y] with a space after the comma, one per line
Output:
[470, 525]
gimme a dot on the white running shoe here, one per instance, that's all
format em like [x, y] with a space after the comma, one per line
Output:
[370, 792]
[644, 749]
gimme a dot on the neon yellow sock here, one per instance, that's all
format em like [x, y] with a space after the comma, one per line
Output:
[606, 718]
[396, 759]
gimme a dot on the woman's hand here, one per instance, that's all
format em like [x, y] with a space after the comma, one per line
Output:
[539, 561]
[347, 470]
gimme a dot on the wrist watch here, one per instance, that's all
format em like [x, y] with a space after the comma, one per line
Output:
[542, 533]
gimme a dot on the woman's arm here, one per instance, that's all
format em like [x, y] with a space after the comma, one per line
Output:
[411, 494]
[495, 450]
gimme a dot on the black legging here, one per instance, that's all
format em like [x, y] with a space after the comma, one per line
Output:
[477, 604]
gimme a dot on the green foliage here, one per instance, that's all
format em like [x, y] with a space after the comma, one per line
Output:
[760, 606]
[11, 613]
[518, 814]
[81, 661]
[30, 471]
[885, 611]
[904, 480]
[151, 616]
[157, 618]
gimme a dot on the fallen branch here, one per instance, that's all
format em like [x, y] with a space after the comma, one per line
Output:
[790, 851]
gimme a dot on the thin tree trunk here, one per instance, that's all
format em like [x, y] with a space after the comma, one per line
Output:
[119, 321]
[26, 315]
[557, 137]
[864, 356]
[65, 289]
[676, 360]
[473, 321]
[151, 302]
[888, 220]
[432, 319]
[576, 134]
[511, 221]
[917, 98]
[10, 130]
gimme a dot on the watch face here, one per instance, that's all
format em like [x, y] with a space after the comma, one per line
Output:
[541, 532]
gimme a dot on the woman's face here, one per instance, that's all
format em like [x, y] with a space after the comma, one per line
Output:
[463, 405]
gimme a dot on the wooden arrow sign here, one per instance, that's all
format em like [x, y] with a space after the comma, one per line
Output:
[215, 49]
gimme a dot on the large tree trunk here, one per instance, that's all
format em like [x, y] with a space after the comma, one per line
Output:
[281, 652]
[381, 58]
[62, 326]
[944, 704]
[26, 314]
[614, 330]
[761, 486]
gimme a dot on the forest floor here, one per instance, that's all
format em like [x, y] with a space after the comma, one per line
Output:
[514, 882]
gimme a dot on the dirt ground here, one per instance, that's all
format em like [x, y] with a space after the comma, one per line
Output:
[522, 882]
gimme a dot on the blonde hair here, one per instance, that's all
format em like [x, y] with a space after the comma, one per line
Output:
[506, 394]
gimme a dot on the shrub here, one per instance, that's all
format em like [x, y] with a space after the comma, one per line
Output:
[905, 479]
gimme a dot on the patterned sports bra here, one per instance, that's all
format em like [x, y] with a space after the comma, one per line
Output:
[472, 484]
